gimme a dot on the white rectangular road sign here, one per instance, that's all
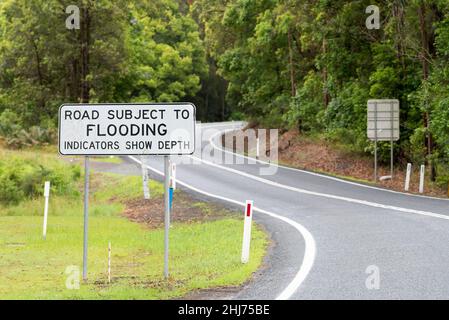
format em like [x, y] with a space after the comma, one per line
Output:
[383, 115]
[127, 129]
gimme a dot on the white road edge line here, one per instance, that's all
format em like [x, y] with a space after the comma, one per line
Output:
[309, 241]
[308, 172]
[324, 195]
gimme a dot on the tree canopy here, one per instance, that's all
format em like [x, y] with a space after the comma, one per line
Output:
[124, 51]
[310, 65]
[313, 65]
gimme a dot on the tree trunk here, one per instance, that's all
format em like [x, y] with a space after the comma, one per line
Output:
[85, 42]
[40, 80]
[326, 97]
[398, 13]
[75, 81]
[38, 63]
[425, 57]
[292, 66]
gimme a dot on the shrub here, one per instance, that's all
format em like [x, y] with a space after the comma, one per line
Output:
[9, 123]
[306, 108]
[22, 179]
[16, 137]
[35, 136]
[10, 192]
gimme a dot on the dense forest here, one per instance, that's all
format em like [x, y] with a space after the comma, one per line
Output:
[309, 65]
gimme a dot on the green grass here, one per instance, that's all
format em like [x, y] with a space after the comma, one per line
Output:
[202, 254]
[108, 192]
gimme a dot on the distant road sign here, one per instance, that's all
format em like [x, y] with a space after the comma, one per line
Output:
[383, 120]
[127, 129]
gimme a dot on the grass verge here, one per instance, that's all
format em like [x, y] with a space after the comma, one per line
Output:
[203, 254]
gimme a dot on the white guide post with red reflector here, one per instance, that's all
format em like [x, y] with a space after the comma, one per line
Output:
[247, 230]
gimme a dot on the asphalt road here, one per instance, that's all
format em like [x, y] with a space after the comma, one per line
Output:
[331, 237]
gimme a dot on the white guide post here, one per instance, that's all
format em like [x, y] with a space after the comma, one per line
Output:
[173, 175]
[407, 177]
[421, 178]
[46, 195]
[247, 231]
[257, 148]
[146, 188]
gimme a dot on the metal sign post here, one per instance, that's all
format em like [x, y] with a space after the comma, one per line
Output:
[166, 213]
[391, 138]
[375, 141]
[86, 215]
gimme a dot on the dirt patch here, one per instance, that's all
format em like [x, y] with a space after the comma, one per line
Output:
[185, 209]
[321, 156]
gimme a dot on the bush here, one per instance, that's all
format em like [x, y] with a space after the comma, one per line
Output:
[22, 179]
[16, 137]
[9, 123]
[345, 118]
[36, 136]
[9, 190]
[306, 108]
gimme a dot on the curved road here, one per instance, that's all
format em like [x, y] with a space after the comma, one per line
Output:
[333, 238]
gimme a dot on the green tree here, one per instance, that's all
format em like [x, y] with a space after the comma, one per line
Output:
[166, 56]
[124, 51]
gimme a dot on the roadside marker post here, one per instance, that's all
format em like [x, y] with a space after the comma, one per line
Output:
[119, 129]
[247, 230]
[146, 188]
[172, 184]
[173, 175]
[421, 178]
[407, 177]
[170, 194]
[46, 196]
[257, 148]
